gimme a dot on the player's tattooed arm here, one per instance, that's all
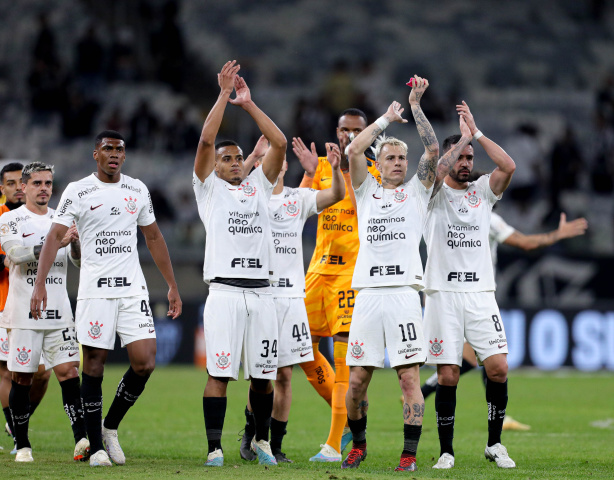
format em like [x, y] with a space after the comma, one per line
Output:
[447, 161]
[204, 162]
[356, 149]
[427, 166]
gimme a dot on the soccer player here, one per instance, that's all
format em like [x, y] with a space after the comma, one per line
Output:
[11, 187]
[107, 207]
[501, 232]
[239, 314]
[289, 208]
[21, 232]
[460, 288]
[329, 294]
[388, 311]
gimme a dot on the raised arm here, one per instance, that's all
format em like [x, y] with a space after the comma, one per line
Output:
[330, 196]
[427, 167]
[502, 175]
[256, 156]
[49, 251]
[566, 230]
[447, 161]
[274, 158]
[159, 252]
[356, 150]
[204, 163]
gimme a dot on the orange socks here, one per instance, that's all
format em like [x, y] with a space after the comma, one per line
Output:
[339, 412]
[321, 375]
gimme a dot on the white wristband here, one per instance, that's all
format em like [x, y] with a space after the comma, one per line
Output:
[478, 135]
[382, 123]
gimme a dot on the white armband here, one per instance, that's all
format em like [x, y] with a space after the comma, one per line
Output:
[478, 135]
[75, 261]
[382, 123]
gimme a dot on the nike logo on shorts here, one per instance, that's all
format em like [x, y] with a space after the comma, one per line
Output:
[304, 354]
[412, 355]
[94, 208]
[72, 354]
[501, 346]
[267, 371]
[24, 235]
[346, 323]
[152, 330]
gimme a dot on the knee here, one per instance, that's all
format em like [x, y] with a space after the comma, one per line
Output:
[145, 369]
[284, 377]
[447, 377]
[261, 385]
[498, 372]
[357, 386]
[24, 379]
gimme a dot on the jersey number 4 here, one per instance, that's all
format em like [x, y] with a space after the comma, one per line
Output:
[273, 348]
[297, 335]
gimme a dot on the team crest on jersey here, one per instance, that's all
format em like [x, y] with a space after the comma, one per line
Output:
[131, 205]
[248, 190]
[436, 349]
[292, 209]
[4, 346]
[223, 360]
[4, 229]
[23, 356]
[400, 196]
[356, 350]
[473, 200]
[95, 330]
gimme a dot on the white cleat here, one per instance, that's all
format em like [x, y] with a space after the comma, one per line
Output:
[446, 461]
[498, 453]
[263, 450]
[100, 459]
[327, 454]
[82, 450]
[111, 443]
[24, 455]
[215, 459]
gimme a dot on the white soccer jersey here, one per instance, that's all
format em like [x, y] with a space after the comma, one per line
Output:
[456, 236]
[237, 224]
[23, 227]
[107, 216]
[390, 226]
[288, 212]
[499, 233]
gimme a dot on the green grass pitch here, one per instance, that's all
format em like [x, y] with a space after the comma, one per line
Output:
[571, 415]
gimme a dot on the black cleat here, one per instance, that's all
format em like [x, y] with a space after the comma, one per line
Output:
[281, 457]
[246, 449]
[354, 458]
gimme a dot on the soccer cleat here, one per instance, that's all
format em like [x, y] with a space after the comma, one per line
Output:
[14, 451]
[82, 450]
[407, 464]
[100, 459]
[245, 450]
[498, 453]
[215, 458]
[327, 454]
[510, 424]
[24, 455]
[7, 429]
[281, 457]
[354, 458]
[346, 438]
[111, 443]
[445, 461]
[263, 450]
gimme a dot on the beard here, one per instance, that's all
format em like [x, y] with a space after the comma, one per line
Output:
[460, 177]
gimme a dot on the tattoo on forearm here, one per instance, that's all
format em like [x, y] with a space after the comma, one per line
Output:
[425, 130]
[363, 405]
[375, 133]
[427, 168]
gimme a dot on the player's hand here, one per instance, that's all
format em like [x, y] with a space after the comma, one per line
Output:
[464, 111]
[308, 158]
[571, 229]
[394, 112]
[333, 155]
[262, 145]
[174, 303]
[226, 77]
[464, 128]
[70, 236]
[39, 295]
[243, 95]
[420, 86]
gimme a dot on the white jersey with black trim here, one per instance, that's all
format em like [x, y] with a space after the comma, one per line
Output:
[288, 212]
[107, 216]
[456, 236]
[237, 224]
[390, 226]
[500, 231]
[23, 227]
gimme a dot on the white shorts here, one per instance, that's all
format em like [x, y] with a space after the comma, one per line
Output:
[452, 317]
[240, 325]
[29, 348]
[294, 338]
[97, 320]
[386, 318]
[4, 345]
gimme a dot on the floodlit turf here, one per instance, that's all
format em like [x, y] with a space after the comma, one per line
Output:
[164, 435]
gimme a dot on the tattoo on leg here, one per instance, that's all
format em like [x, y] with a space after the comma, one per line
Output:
[406, 412]
[363, 405]
[418, 414]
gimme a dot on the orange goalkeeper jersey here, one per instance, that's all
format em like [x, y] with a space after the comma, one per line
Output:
[4, 274]
[337, 239]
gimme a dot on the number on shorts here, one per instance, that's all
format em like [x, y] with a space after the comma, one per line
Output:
[145, 308]
[498, 326]
[66, 335]
[305, 331]
[265, 345]
[411, 332]
[297, 335]
[349, 298]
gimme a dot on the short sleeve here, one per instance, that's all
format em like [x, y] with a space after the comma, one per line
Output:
[423, 193]
[499, 230]
[367, 186]
[259, 178]
[146, 214]
[202, 190]
[9, 231]
[68, 208]
[483, 183]
[309, 199]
